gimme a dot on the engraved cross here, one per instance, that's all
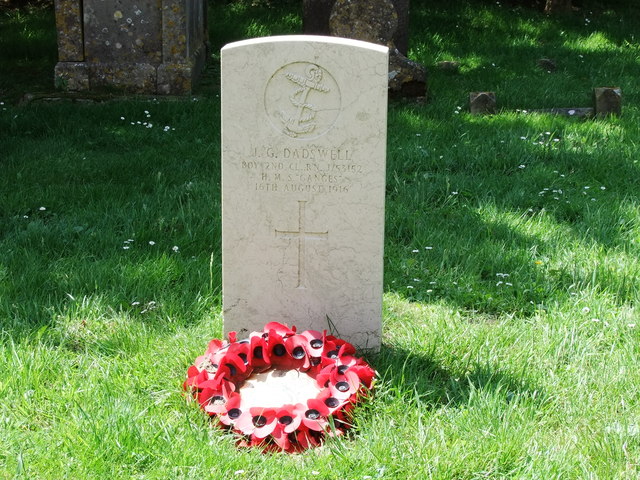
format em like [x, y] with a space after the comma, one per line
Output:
[302, 235]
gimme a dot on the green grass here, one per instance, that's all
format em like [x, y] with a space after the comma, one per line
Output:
[512, 272]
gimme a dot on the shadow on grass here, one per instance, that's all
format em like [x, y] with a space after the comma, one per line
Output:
[416, 377]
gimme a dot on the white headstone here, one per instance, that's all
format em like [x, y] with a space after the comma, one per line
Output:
[304, 122]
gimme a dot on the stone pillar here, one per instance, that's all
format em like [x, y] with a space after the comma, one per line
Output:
[184, 36]
[71, 72]
[150, 46]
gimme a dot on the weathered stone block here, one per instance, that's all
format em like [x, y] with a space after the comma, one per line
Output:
[72, 76]
[608, 101]
[406, 77]
[177, 78]
[129, 78]
[371, 21]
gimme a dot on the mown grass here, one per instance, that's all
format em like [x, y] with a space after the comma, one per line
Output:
[510, 344]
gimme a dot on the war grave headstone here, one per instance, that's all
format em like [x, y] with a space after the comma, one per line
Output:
[304, 123]
[152, 47]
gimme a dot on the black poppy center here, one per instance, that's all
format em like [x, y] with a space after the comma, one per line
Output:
[234, 413]
[232, 369]
[342, 386]
[333, 354]
[342, 369]
[279, 350]
[298, 353]
[285, 420]
[315, 361]
[332, 402]
[243, 356]
[257, 353]
[312, 414]
[315, 343]
[259, 421]
[216, 400]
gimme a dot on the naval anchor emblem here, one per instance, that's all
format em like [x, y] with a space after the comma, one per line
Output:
[302, 100]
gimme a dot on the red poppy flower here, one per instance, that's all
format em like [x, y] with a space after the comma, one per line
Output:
[304, 440]
[214, 346]
[344, 385]
[258, 354]
[316, 342]
[330, 402]
[313, 417]
[276, 350]
[216, 401]
[232, 411]
[257, 421]
[289, 418]
[280, 328]
[265, 421]
[365, 374]
[197, 379]
[296, 346]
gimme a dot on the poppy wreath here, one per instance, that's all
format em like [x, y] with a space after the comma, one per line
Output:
[342, 379]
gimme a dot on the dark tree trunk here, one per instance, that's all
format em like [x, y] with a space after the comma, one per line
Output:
[558, 6]
[315, 16]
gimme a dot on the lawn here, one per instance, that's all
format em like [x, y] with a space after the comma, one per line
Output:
[511, 329]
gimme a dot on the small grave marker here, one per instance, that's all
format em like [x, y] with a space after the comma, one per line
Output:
[482, 103]
[607, 101]
[303, 179]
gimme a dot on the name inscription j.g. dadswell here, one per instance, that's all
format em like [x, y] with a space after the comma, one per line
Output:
[309, 169]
